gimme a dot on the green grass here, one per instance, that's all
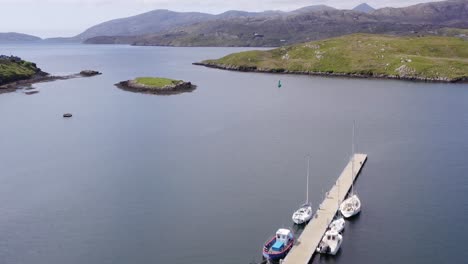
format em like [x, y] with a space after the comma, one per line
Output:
[424, 57]
[156, 82]
[453, 32]
[13, 71]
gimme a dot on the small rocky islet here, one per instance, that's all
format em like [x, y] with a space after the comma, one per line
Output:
[156, 85]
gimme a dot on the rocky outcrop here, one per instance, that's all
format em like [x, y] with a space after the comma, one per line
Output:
[89, 73]
[41, 77]
[176, 88]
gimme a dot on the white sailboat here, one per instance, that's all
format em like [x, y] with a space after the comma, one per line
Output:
[338, 224]
[352, 205]
[304, 213]
[331, 243]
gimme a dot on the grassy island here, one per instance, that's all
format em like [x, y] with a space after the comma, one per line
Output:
[15, 69]
[156, 85]
[156, 82]
[361, 55]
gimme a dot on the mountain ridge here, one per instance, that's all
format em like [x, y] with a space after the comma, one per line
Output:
[272, 31]
[365, 8]
[17, 37]
[160, 20]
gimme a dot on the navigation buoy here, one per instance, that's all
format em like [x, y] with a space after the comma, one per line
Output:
[67, 115]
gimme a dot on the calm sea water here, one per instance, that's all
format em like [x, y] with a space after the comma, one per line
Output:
[206, 177]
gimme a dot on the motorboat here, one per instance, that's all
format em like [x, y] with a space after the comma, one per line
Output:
[279, 246]
[331, 243]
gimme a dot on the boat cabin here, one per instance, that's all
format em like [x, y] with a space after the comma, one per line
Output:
[331, 235]
[283, 236]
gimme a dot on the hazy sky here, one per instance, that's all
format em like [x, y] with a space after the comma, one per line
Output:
[52, 18]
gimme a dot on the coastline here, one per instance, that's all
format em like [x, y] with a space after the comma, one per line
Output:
[41, 77]
[330, 74]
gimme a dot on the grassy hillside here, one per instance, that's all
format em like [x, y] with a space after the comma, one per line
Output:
[14, 69]
[428, 58]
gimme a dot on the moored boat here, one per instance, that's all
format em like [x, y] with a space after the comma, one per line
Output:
[279, 246]
[352, 205]
[304, 213]
[337, 225]
[331, 243]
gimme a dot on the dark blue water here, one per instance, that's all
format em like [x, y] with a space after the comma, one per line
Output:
[206, 177]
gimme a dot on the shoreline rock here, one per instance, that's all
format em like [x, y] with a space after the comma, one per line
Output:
[41, 77]
[89, 73]
[330, 74]
[133, 86]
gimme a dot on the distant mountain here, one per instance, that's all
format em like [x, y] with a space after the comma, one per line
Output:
[364, 7]
[17, 37]
[297, 26]
[276, 28]
[150, 22]
[62, 40]
[163, 20]
[450, 13]
[239, 14]
[313, 8]
[268, 32]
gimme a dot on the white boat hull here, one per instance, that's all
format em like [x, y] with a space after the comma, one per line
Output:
[337, 225]
[302, 215]
[350, 207]
[330, 244]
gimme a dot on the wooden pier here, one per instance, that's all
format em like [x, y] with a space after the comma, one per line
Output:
[310, 238]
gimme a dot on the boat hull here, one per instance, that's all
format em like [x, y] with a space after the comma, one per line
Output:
[330, 247]
[349, 214]
[300, 221]
[302, 215]
[276, 255]
[356, 207]
[337, 225]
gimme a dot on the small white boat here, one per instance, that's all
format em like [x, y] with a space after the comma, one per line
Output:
[337, 225]
[304, 213]
[331, 243]
[351, 206]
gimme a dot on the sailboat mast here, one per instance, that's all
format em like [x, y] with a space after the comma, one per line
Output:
[308, 168]
[352, 160]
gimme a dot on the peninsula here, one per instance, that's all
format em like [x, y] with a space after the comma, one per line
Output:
[16, 73]
[156, 85]
[437, 59]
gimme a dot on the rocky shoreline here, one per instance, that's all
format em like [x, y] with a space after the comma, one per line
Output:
[330, 74]
[40, 77]
[133, 86]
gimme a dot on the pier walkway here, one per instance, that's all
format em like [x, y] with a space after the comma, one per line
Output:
[308, 241]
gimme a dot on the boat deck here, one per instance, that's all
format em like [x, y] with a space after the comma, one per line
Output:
[310, 238]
